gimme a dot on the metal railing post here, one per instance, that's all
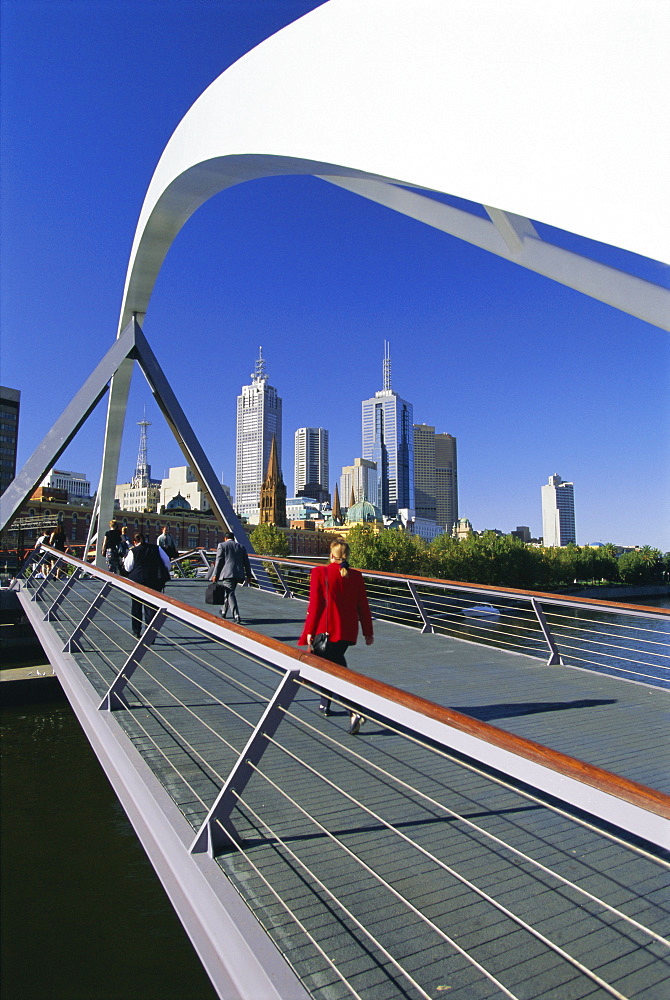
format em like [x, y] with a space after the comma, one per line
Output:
[114, 697]
[287, 592]
[555, 656]
[37, 596]
[217, 830]
[99, 599]
[427, 627]
[263, 578]
[50, 615]
[35, 566]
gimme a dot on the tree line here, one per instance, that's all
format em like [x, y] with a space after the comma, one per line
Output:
[489, 558]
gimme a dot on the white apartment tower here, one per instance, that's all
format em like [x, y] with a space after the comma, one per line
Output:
[435, 476]
[388, 441]
[311, 460]
[363, 479]
[558, 512]
[259, 411]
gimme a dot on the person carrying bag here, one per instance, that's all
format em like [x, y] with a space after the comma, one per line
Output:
[231, 567]
[338, 601]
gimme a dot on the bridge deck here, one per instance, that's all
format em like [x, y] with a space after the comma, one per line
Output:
[512, 873]
[615, 724]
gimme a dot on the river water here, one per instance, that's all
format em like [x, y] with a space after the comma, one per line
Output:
[84, 916]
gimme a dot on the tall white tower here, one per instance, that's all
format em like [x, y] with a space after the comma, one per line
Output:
[558, 512]
[311, 460]
[388, 440]
[259, 413]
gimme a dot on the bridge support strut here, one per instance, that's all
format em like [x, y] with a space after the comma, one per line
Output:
[217, 831]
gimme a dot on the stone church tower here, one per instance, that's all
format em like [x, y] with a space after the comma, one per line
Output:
[273, 492]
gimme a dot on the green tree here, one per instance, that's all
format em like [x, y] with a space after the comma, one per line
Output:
[498, 560]
[391, 551]
[269, 540]
[645, 565]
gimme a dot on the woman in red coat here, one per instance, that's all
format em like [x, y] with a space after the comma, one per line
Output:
[337, 603]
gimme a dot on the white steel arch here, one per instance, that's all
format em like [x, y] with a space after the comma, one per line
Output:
[553, 111]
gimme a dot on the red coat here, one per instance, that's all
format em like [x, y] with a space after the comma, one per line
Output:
[347, 605]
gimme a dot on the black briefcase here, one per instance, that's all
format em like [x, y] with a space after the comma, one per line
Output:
[215, 594]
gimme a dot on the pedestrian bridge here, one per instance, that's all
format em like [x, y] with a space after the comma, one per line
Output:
[498, 828]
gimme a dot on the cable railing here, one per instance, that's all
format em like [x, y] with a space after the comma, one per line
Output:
[442, 853]
[623, 640]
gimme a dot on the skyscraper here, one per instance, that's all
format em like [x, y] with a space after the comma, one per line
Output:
[558, 512]
[311, 462]
[259, 410]
[361, 478]
[388, 440]
[435, 476]
[10, 404]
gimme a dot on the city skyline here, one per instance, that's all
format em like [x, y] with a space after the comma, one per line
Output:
[528, 375]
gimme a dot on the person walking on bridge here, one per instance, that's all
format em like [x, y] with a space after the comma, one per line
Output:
[166, 542]
[149, 565]
[231, 567]
[338, 601]
[111, 547]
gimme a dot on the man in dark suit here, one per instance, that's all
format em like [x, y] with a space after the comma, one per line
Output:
[231, 567]
[149, 565]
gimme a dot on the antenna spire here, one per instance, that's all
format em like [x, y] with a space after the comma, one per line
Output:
[259, 373]
[142, 469]
[386, 367]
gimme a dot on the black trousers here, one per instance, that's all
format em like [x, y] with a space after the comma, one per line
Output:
[335, 653]
[136, 606]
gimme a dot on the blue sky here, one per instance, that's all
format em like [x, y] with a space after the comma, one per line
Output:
[532, 378]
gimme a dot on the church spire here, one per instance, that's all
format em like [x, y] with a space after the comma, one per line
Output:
[337, 510]
[273, 492]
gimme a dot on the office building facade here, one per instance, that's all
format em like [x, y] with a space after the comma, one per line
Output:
[311, 462]
[10, 404]
[435, 476]
[558, 512]
[259, 419]
[388, 441]
[360, 479]
[76, 484]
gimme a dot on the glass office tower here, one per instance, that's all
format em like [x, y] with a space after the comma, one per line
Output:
[388, 440]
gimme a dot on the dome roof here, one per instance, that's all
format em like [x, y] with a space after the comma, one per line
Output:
[178, 503]
[363, 511]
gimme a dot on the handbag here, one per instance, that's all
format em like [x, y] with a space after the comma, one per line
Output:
[320, 644]
[320, 641]
[215, 594]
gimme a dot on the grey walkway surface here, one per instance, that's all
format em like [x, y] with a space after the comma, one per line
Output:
[374, 863]
[615, 724]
